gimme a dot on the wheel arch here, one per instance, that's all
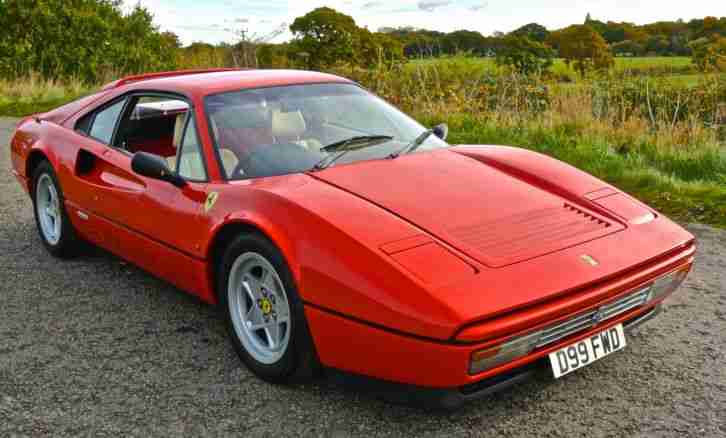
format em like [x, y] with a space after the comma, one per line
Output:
[35, 157]
[223, 233]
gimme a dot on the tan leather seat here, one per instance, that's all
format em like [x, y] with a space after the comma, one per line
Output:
[228, 157]
[229, 160]
[191, 166]
[176, 142]
[290, 126]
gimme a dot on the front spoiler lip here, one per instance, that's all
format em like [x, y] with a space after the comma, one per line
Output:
[453, 398]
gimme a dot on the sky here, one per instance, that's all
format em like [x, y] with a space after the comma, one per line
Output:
[214, 21]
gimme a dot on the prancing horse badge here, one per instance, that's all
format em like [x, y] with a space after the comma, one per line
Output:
[211, 200]
[590, 260]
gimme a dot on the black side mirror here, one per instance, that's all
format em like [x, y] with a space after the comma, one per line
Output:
[441, 131]
[153, 166]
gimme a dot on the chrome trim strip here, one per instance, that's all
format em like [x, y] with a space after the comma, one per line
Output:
[592, 318]
[634, 324]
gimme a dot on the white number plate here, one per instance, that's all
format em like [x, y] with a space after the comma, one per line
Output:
[588, 350]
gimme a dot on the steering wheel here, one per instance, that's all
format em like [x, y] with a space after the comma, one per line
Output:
[275, 159]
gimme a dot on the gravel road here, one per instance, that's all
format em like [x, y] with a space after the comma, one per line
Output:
[97, 347]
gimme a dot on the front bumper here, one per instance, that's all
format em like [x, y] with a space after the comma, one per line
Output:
[441, 367]
[452, 398]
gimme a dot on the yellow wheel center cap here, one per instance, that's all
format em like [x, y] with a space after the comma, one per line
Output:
[266, 306]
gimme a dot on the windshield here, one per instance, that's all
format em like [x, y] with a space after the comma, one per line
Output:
[282, 130]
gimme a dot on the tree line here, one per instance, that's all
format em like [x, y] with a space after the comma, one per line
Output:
[95, 40]
[84, 39]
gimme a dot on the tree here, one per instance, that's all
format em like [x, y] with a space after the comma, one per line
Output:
[583, 48]
[85, 39]
[244, 53]
[462, 41]
[628, 48]
[371, 47]
[533, 31]
[525, 55]
[709, 54]
[658, 45]
[326, 36]
[203, 55]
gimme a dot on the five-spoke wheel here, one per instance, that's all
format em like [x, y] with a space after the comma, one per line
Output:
[47, 207]
[56, 230]
[259, 308]
[264, 313]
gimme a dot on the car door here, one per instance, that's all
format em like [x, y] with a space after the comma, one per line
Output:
[150, 217]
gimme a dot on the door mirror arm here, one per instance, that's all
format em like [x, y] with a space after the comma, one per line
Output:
[155, 167]
[441, 131]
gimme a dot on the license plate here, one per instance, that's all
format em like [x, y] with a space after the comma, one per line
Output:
[587, 351]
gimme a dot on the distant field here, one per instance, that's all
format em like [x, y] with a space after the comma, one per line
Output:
[620, 63]
[661, 66]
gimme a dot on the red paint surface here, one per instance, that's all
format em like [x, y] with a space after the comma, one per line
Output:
[372, 242]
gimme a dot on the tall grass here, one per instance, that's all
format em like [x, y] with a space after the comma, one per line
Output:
[34, 94]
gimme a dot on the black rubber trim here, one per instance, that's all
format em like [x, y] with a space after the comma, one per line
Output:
[501, 381]
[433, 398]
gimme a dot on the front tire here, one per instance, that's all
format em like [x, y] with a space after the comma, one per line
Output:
[55, 228]
[263, 312]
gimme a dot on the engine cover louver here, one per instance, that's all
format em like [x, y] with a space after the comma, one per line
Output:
[532, 234]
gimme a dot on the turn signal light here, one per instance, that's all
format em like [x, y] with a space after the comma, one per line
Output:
[494, 356]
[668, 284]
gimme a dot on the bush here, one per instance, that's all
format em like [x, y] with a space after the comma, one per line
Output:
[709, 53]
[86, 39]
[525, 56]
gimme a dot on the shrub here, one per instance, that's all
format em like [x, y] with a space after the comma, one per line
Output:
[525, 56]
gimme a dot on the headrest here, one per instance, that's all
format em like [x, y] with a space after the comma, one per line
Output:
[179, 129]
[248, 116]
[290, 124]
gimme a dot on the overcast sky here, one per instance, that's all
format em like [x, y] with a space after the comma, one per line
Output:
[215, 20]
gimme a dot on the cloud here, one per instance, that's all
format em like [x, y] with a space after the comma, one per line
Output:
[241, 20]
[479, 7]
[370, 5]
[432, 5]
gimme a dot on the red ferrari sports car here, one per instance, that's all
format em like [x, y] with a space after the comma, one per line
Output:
[336, 232]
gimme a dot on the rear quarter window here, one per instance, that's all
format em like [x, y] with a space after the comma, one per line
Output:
[104, 122]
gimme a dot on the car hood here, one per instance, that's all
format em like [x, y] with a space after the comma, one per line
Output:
[493, 217]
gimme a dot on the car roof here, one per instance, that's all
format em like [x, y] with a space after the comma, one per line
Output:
[213, 82]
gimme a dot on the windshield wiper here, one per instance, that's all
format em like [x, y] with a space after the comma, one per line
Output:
[414, 144]
[348, 145]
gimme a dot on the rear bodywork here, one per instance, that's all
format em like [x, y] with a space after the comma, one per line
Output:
[406, 266]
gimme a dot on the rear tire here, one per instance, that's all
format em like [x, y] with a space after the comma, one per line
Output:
[263, 312]
[55, 228]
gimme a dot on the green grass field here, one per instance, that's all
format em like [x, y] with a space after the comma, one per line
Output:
[678, 68]
[620, 62]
